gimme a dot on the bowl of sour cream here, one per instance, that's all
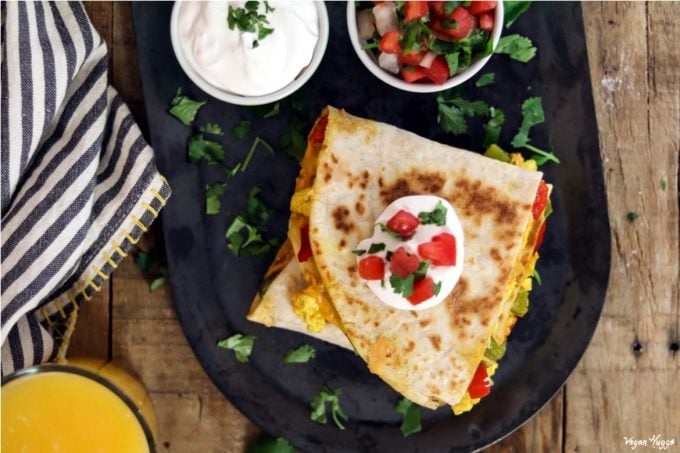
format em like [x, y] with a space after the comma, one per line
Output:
[249, 52]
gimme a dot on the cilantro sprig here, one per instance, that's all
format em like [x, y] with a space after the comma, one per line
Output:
[436, 217]
[410, 423]
[532, 114]
[332, 397]
[244, 235]
[303, 354]
[184, 108]
[517, 47]
[242, 345]
[249, 19]
[213, 192]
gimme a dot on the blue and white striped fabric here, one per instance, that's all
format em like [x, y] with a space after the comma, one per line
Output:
[79, 185]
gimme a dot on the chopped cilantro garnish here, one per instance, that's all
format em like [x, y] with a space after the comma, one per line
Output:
[536, 276]
[453, 110]
[632, 216]
[266, 444]
[303, 354]
[147, 263]
[517, 47]
[403, 286]
[184, 108]
[249, 156]
[410, 423]
[437, 288]
[377, 247]
[198, 148]
[452, 61]
[532, 114]
[471, 108]
[242, 345]
[158, 282]
[492, 129]
[437, 216]
[359, 252]
[144, 261]
[233, 170]
[241, 129]
[451, 119]
[421, 272]
[389, 231]
[514, 9]
[388, 256]
[328, 395]
[415, 33]
[244, 235]
[212, 198]
[450, 6]
[212, 128]
[486, 79]
[494, 351]
[663, 185]
[450, 24]
[248, 19]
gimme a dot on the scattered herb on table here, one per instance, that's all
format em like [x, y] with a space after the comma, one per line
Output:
[242, 345]
[514, 9]
[331, 396]
[267, 444]
[486, 79]
[249, 19]
[517, 47]
[663, 185]
[492, 129]
[303, 354]
[267, 110]
[249, 156]
[410, 423]
[184, 108]
[453, 110]
[241, 129]
[536, 276]
[244, 235]
[150, 264]
[198, 148]
[212, 128]
[213, 193]
[632, 216]
[532, 114]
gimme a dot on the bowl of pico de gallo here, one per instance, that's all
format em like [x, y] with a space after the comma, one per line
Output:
[421, 46]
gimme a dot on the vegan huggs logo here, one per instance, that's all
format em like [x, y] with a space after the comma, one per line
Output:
[656, 441]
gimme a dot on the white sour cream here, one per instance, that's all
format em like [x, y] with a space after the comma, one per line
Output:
[227, 59]
[447, 275]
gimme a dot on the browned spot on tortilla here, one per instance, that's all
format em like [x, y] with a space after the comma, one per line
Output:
[400, 188]
[342, 243]
[495, 255]
[315, 230]
[350, 184]
[410, 346]
[412, 183]
[351, 268]
[465, 321]
[334, 158]
[478, 200]
[316, 244]
[425, 322]
[341, 216]
[376, 323]
[327, 177]
[435, 390]
[414, 314]
[359, 207]
[431, 182]
[486, 320]
[381, 183]
[436, 341]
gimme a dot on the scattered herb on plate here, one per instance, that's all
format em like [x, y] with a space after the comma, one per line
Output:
[242, 345]
[303, 354]
[514, 9]
[453, 111]
[410, 423]
[241, 129]
[268, 444]
[486, 79]
[332, 397]
[532, 114]
[212, 128]
[244, 235]
[184, 108]
[213, 192]
[150, 264]
[517, 47]
[198, 148]
[536, 276]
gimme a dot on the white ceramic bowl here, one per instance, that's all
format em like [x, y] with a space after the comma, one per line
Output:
[239, 99]
[369, 59]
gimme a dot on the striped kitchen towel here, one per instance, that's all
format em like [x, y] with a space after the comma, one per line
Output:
[79, 184]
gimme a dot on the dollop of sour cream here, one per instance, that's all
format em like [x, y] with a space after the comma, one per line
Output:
[445, 277]
[236, 60]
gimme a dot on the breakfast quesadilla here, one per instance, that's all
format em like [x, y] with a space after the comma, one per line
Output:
[433, 331]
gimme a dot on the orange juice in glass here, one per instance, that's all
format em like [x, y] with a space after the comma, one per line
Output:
[84, 406]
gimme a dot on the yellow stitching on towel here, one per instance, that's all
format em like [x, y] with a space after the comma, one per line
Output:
[100, 273]
[139, 224]
[108, 258]
[82, 291]
[71, 298]
[151, 209]
[164, 180]
[66, 337]
[91, 283]
[117, 248]
[60, 308]
[159, 197]
[46, 315]
[129, 237]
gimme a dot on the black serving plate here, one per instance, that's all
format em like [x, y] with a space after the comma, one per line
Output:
[213, 288]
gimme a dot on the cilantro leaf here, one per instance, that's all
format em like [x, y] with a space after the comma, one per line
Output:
[471, 108]
[632, 216]
[359, 252]
[415, 33]
[437, 288]
[403, 286]
[452, 61]
[376, 247]
[485, 79]
[437, 216]
[389, 231]
[249, 156]
[492, 129]
[244, 235]
[536, 276]
[664, 184]
[248, 20]
[212, 128]
[410, 423]
[198, 148]
[212, 198]
[514, 9]
[421, 272]
[241, 129]
[318, 413]
[540, 156]
[532, 114]
[303, 354]
[184, 108]
[242, 345]
[451, 119]
[494, 351]
[517, 47]
[266, 444]
[449, 7]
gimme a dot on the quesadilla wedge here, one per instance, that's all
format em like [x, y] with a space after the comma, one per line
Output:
[352, 170]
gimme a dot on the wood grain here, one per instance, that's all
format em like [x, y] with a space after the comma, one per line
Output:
[616, 390]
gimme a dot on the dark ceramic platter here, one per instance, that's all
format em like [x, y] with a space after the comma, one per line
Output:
[213, 289]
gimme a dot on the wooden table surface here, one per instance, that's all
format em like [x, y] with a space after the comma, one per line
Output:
[626, 386]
